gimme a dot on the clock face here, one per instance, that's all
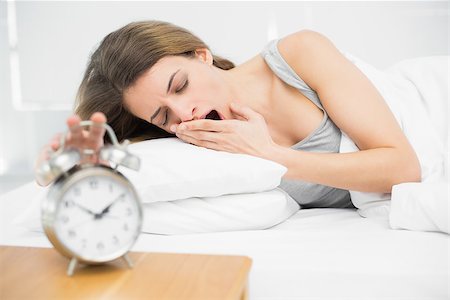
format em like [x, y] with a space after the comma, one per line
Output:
[98, 218]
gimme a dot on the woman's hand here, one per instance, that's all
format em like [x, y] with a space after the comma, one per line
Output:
[81, 138]
[248, 134]
[78, 138]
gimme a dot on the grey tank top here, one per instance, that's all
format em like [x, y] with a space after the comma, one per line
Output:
[325, 138]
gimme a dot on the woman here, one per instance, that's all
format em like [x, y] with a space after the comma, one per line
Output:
[287, 104]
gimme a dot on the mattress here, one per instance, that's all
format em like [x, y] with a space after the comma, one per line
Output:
[315, 254]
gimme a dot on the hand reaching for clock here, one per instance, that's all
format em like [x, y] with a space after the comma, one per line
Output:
[77, 138]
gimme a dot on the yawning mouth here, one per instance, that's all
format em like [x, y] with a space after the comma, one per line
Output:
[213, 115]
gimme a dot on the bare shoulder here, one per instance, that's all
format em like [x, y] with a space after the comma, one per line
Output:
[306, 51]
[305, 40]
[302, 37]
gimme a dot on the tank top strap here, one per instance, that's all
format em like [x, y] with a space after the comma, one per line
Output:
[283, 70]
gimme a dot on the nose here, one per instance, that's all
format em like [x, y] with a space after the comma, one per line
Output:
[183, 111]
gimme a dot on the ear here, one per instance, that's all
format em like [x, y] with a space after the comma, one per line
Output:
[204, 55]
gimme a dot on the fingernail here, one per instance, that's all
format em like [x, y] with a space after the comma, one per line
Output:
[182, 127]
[173, 128]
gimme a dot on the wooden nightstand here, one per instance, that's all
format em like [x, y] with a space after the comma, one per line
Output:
[40, 273]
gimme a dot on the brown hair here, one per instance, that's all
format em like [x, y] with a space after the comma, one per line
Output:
[121, 57]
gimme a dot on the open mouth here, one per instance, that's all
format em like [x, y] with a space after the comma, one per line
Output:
[213, 115]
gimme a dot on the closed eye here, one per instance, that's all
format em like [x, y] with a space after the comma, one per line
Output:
[166, 112]
[185, 85]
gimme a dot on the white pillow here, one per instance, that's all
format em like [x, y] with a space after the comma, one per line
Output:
[225, 213]
[196, 215]
[172, 170]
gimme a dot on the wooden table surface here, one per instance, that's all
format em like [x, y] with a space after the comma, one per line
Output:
[40, 273]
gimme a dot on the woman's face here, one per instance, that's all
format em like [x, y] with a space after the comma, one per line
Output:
[178, 89]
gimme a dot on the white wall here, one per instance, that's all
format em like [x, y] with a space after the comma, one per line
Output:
[54, 40]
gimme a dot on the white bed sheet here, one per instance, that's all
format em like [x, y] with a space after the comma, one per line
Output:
[316, 254]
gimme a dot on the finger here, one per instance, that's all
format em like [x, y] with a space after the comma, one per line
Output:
[244, 111]
[54, 143]
[205, 125]
[198, 135]
[201, 143]
[73, 122]
[97, 130]
[98, 117]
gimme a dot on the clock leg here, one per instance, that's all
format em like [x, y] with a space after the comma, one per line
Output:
[72, 264]
[128, 260]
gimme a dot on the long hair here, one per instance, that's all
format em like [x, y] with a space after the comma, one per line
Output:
[119, 60]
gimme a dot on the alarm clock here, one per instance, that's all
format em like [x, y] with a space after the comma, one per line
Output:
[92, 213]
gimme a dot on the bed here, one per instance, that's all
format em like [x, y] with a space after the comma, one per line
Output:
[323, 253]
[315, 254]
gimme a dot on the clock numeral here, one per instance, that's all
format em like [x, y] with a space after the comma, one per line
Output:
[93, 184]
[72, 233]
[100, 246]
[68, 203]
[129, 212]
[111, 188]
[65, 219]
[115, 240]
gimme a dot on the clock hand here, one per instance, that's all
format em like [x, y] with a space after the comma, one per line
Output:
[106, 209]
[84, 208]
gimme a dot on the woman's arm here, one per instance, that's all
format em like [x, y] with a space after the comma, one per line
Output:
[371, 170]
[356, 107]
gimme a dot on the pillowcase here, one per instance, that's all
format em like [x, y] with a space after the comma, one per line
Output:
[172, 170]
[251, 211]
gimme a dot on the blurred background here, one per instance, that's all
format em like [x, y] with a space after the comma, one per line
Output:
[44, 48]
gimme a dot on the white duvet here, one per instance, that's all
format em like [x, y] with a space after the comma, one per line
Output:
[417, 91]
